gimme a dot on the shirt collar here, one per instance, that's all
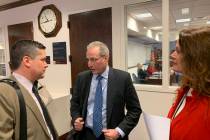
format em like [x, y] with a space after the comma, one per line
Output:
[104, 74]
[23, 80]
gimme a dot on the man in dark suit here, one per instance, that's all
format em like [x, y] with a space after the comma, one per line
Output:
[100, 97]
[28, 64]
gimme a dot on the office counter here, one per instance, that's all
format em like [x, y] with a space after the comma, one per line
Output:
[60, 113]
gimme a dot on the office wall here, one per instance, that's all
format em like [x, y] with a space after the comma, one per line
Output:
[137, 52]
[58, 77]
[30, 13]
[154, 103]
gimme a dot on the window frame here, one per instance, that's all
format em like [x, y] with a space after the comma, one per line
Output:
[165, 87]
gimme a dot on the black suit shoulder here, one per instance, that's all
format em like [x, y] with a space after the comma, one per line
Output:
[119, 74]
[116, 72]
[119, 71]
[87, 72]
[84, 74]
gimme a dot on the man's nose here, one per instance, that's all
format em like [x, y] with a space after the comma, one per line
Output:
[89, 64]
[46, 65]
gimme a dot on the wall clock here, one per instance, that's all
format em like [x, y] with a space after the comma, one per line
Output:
[49, 20]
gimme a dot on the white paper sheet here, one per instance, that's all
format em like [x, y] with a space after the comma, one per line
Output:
[158, 127]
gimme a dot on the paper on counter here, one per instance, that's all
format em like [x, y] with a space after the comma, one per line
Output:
[158, 127]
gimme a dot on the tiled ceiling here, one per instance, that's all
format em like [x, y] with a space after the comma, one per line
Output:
[199, 12]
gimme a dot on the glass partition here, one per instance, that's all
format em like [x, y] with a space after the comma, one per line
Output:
[144, 48]
[2, 56]
[185, 14]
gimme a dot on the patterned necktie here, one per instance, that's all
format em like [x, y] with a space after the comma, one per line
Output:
[97, 110]
[44, 109]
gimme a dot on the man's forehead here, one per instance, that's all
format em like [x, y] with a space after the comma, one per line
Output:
[92, 53]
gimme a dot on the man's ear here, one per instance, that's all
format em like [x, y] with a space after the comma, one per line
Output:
[26, 61]
[107, 58]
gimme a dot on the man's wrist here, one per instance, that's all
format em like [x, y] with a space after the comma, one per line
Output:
[120, 132]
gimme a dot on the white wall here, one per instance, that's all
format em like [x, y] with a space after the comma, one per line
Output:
[153, 103]
[30, 13]
[137, 53]
[58, 77]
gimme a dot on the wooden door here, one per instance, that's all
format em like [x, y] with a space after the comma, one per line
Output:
[84, 28]
[20, 31]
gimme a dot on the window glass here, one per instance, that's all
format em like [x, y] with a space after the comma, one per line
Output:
[2, 56]
[144, 48]
[185, 14]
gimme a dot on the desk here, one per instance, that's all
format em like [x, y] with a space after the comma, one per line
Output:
[152, 81]
[60, 114]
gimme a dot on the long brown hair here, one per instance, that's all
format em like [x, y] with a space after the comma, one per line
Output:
[195, 49]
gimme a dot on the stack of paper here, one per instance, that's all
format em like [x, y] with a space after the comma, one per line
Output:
[158, 127]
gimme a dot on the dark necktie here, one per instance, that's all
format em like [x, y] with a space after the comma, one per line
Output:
[44, 109]
[97, 110]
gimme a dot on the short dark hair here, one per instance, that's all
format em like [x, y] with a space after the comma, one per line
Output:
[23, 48]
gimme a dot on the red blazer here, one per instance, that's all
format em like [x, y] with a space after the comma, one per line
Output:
[193, 122]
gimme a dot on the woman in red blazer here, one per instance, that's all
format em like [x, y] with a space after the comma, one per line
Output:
[190, 113]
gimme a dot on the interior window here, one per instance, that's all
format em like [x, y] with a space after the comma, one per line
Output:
[2, 56]
[185, 14]
[144, 48]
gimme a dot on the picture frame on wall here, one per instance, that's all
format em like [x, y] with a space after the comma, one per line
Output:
[48, 59]
[59, 53]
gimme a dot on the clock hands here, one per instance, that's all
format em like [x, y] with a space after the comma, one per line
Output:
[46, 21]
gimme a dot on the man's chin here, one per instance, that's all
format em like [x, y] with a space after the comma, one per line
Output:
[41, 76]
[94, 72]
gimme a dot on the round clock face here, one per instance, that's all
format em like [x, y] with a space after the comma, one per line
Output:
[47, 20]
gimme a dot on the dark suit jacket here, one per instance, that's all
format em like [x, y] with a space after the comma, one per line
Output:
[120, 94]
[10, 115]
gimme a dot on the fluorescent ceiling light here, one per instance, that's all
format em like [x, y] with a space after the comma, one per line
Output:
[183, 20]
[156, 28]
[149, 33]
[185, 11]
[132, 24]
[144, 15]
[157, 37]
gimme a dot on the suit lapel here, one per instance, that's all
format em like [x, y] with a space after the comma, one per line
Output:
[33, 107]
[110, 87]
[87, 91]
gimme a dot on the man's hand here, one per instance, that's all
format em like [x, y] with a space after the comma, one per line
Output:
[78, 124]
[111, 134]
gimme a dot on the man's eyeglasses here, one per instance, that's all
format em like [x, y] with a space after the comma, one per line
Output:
[93, 60]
